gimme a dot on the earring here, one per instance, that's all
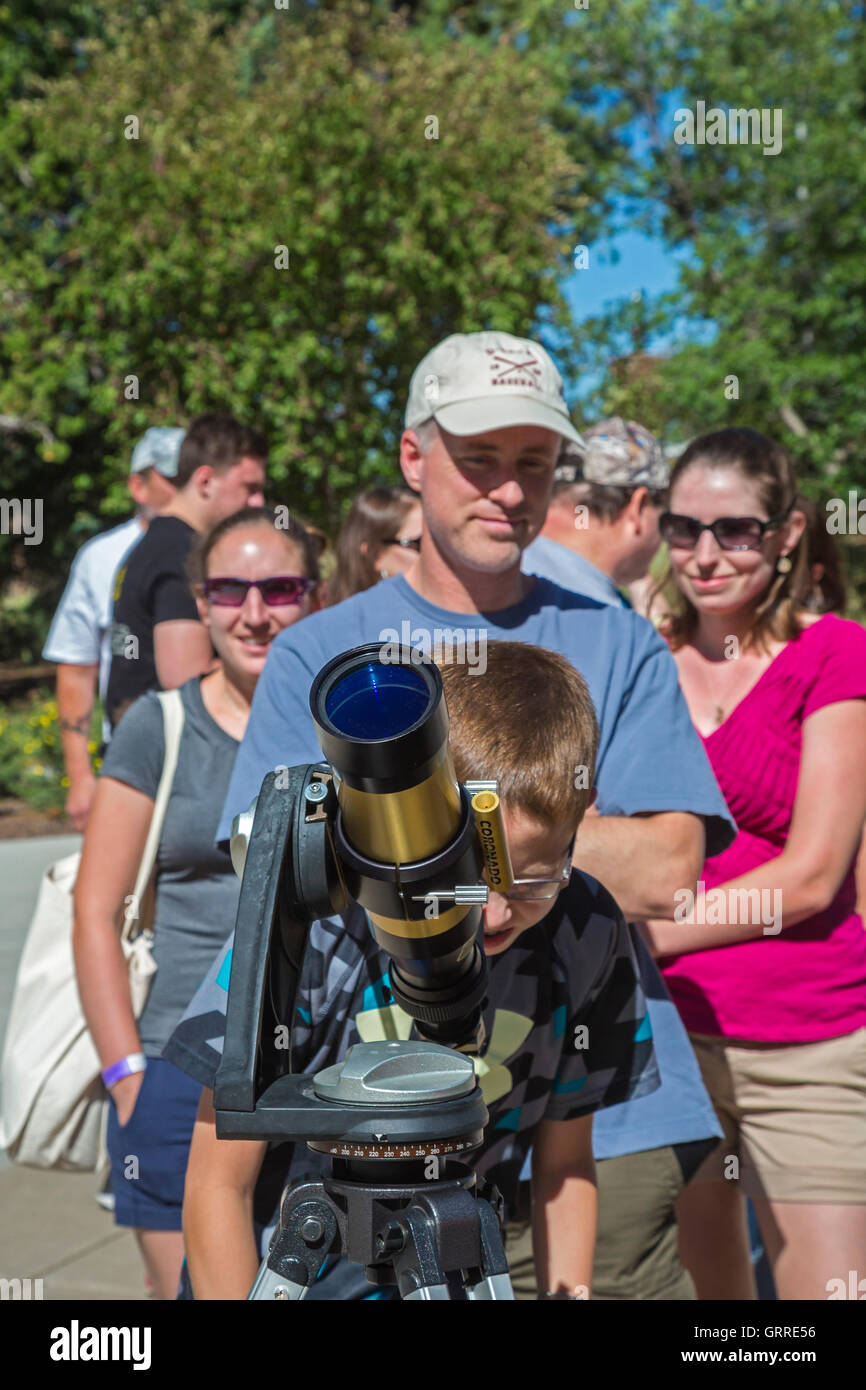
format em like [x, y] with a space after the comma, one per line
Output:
[784, 564]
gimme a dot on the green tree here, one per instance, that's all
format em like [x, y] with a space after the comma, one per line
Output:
[415, 191]
[772, 246]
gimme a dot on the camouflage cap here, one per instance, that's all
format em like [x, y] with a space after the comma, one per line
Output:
[617, 453]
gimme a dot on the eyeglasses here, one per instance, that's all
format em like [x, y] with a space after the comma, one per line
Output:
[730, 532]
[540, 890]
[407, 542]
[277, 591]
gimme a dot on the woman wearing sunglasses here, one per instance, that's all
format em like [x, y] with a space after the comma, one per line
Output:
[380, 537]
[252, 578]
[767, 963]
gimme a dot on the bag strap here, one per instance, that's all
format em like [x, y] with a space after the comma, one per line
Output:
[172, 718]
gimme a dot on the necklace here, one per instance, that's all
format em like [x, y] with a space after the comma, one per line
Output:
[722, 709]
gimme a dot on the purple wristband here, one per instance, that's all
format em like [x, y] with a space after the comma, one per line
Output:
[127, 1066]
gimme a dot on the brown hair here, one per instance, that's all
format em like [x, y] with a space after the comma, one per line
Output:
[220, 441]
[762, 461]
[828, 590]
[606, 501]
[373, 516]
[287, 526]
[534, 729]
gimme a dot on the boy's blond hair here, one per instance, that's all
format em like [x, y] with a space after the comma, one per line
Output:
[529, 722]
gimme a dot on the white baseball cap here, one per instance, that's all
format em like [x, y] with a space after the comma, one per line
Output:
[474, 382]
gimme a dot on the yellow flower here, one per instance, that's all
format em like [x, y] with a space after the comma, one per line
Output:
[91, 747]
[64, 781]
[44, 720]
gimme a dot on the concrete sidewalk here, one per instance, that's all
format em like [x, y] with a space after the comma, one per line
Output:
[50, 1226]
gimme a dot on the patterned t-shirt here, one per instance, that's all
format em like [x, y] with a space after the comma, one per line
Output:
[566, 1021]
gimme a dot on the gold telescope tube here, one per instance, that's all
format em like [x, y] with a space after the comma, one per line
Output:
[415, 823]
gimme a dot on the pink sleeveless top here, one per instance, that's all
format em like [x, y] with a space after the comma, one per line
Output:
[809, 982]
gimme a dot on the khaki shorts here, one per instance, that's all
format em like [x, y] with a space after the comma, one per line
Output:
[636, 1253]
[794, 1117]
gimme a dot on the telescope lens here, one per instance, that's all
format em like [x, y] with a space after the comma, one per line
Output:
[377, 701]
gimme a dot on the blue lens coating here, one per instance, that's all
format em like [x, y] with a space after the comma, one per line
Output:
[377, 702]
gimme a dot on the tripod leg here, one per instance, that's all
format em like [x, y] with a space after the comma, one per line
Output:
[495, 1282]
[466, 1229]
[416, 1258]
[490, 1287]
[270, 1285]
[307, 1232]
[432, 1291]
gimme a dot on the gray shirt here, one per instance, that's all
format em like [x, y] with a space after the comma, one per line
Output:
[197, 889]
[569, 570]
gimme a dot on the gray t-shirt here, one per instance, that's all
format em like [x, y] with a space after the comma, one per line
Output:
[197, 889]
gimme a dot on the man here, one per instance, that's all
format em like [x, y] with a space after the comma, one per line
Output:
[157, 640]
[79, 639]
[602, 526]
[484, 427]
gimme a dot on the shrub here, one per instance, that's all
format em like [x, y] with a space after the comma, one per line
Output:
[31, 757]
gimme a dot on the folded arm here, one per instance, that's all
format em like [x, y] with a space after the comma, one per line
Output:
[642, 860]
[826, 826]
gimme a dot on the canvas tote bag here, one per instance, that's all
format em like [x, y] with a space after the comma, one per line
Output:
[53, 1108]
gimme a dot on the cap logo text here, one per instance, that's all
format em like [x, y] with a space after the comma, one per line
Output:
[512, 367]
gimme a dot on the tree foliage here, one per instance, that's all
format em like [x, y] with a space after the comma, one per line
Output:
[306, 128]
[416, 190]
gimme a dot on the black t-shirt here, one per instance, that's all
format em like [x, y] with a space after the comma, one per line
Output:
[151, 588]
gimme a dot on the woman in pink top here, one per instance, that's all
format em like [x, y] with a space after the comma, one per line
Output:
[767, 963]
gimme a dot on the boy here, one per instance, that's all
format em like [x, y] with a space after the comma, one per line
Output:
[566, 1020]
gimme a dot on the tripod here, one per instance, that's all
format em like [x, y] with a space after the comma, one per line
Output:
[395, 1201]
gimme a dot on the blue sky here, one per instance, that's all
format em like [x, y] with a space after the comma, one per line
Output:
[644, 264]
[631, 261]
[620, 266]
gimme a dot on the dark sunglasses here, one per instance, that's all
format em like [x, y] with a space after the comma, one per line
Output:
[730, 532]
[281, 589]
[407, 542]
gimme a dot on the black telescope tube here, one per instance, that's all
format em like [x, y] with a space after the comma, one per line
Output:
[405, 829]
